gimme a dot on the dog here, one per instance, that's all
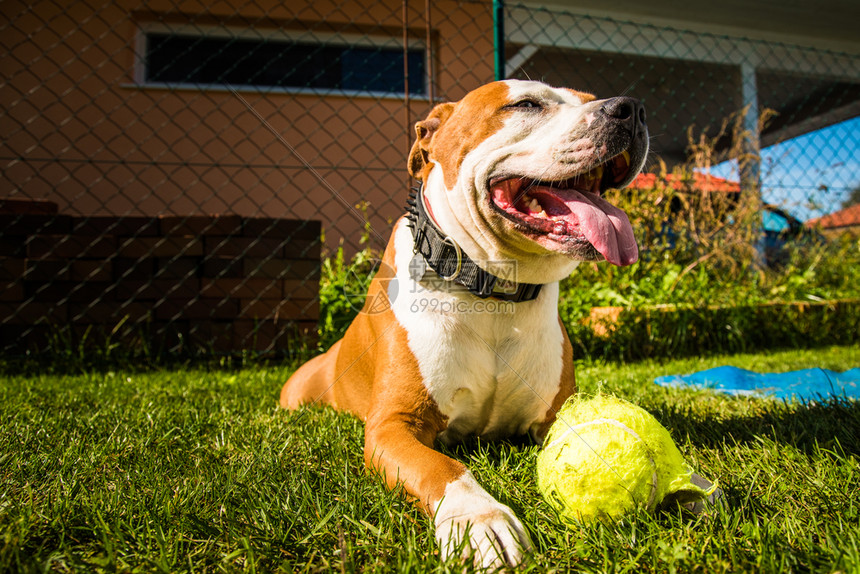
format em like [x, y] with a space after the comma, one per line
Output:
[468, 340]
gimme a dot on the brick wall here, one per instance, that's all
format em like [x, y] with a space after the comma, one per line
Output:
[221, 283]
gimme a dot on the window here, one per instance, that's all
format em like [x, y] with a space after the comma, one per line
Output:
[774, 222]
[276, 60]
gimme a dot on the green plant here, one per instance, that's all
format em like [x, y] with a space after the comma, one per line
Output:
[715, 306]
[198, 470]
[700, 250]
[343, 282]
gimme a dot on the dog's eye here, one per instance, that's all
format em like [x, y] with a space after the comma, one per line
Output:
[526, 104]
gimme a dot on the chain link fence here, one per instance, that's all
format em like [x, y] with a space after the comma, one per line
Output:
[172, 172]
[691, 82]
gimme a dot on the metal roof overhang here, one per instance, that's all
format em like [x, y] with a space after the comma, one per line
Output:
[697, 62]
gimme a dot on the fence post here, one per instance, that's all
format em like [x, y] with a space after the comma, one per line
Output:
[750, 165]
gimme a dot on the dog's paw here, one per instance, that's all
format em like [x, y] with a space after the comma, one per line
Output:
[471, 522]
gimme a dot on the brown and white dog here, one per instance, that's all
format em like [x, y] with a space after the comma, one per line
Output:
[512, 177]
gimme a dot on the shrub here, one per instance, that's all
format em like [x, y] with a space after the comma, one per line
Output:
[700, 256]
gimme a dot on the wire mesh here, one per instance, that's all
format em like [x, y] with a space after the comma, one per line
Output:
[173, 172]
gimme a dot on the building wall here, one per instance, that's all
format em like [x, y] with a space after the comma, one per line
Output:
[170, 283]
[79, 130]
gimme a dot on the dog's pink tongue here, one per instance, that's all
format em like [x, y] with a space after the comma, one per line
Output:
[605, 226]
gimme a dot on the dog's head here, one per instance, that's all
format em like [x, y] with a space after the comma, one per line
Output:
[516, 170]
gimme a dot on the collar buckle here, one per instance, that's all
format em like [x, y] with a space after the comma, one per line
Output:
[448, 241]
[418, 235]
[436, 248]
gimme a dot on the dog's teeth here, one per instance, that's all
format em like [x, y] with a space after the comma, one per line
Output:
[535, 209]
[626, 155]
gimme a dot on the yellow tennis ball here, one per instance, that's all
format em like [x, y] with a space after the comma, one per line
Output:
[604, 457]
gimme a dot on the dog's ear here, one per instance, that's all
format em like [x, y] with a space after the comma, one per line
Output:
[419, 156]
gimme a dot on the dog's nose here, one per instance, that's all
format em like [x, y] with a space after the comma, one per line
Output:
[627, 111]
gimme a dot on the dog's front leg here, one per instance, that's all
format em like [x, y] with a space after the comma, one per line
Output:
[466, 517]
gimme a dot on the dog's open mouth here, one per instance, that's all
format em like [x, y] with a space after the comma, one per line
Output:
[572, 211]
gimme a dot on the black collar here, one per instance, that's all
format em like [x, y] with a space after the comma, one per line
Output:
[446, 258]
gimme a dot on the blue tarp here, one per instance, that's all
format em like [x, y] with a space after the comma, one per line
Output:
[806, 384]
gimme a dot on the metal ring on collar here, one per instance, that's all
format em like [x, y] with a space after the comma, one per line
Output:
[456, 247]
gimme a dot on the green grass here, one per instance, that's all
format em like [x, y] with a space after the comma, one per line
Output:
[200, 471]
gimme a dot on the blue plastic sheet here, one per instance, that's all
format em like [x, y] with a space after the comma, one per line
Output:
[804, 385]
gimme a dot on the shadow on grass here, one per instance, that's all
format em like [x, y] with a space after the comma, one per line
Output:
[805, 426]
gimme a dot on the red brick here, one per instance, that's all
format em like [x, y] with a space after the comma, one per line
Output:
[260, 308]
[70, 246]
[31, 312]
[116, 226]
[126, 332]
[86, 291]
[12, 246]
[223, 246]
[27, 206]
[171, 336]
[201, 225]
[91, 270]
[269, 336]
[108, 312]
[301, 288]
[155, 289]
[185, 246]
[211, 336]
[223, 268]
[69, 291]
[19, 225]
[256, 335]
[177, 267]
[173, 309]
[303, 249]
[280, 310]
[11, 291]
[241, 288]
[133, 268]
[280, 268]
[11, 268]
[282, 228]
[46, 270]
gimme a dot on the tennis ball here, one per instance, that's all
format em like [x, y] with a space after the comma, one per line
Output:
[604, 457]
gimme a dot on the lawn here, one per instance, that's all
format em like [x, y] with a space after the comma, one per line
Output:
[195, 470]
